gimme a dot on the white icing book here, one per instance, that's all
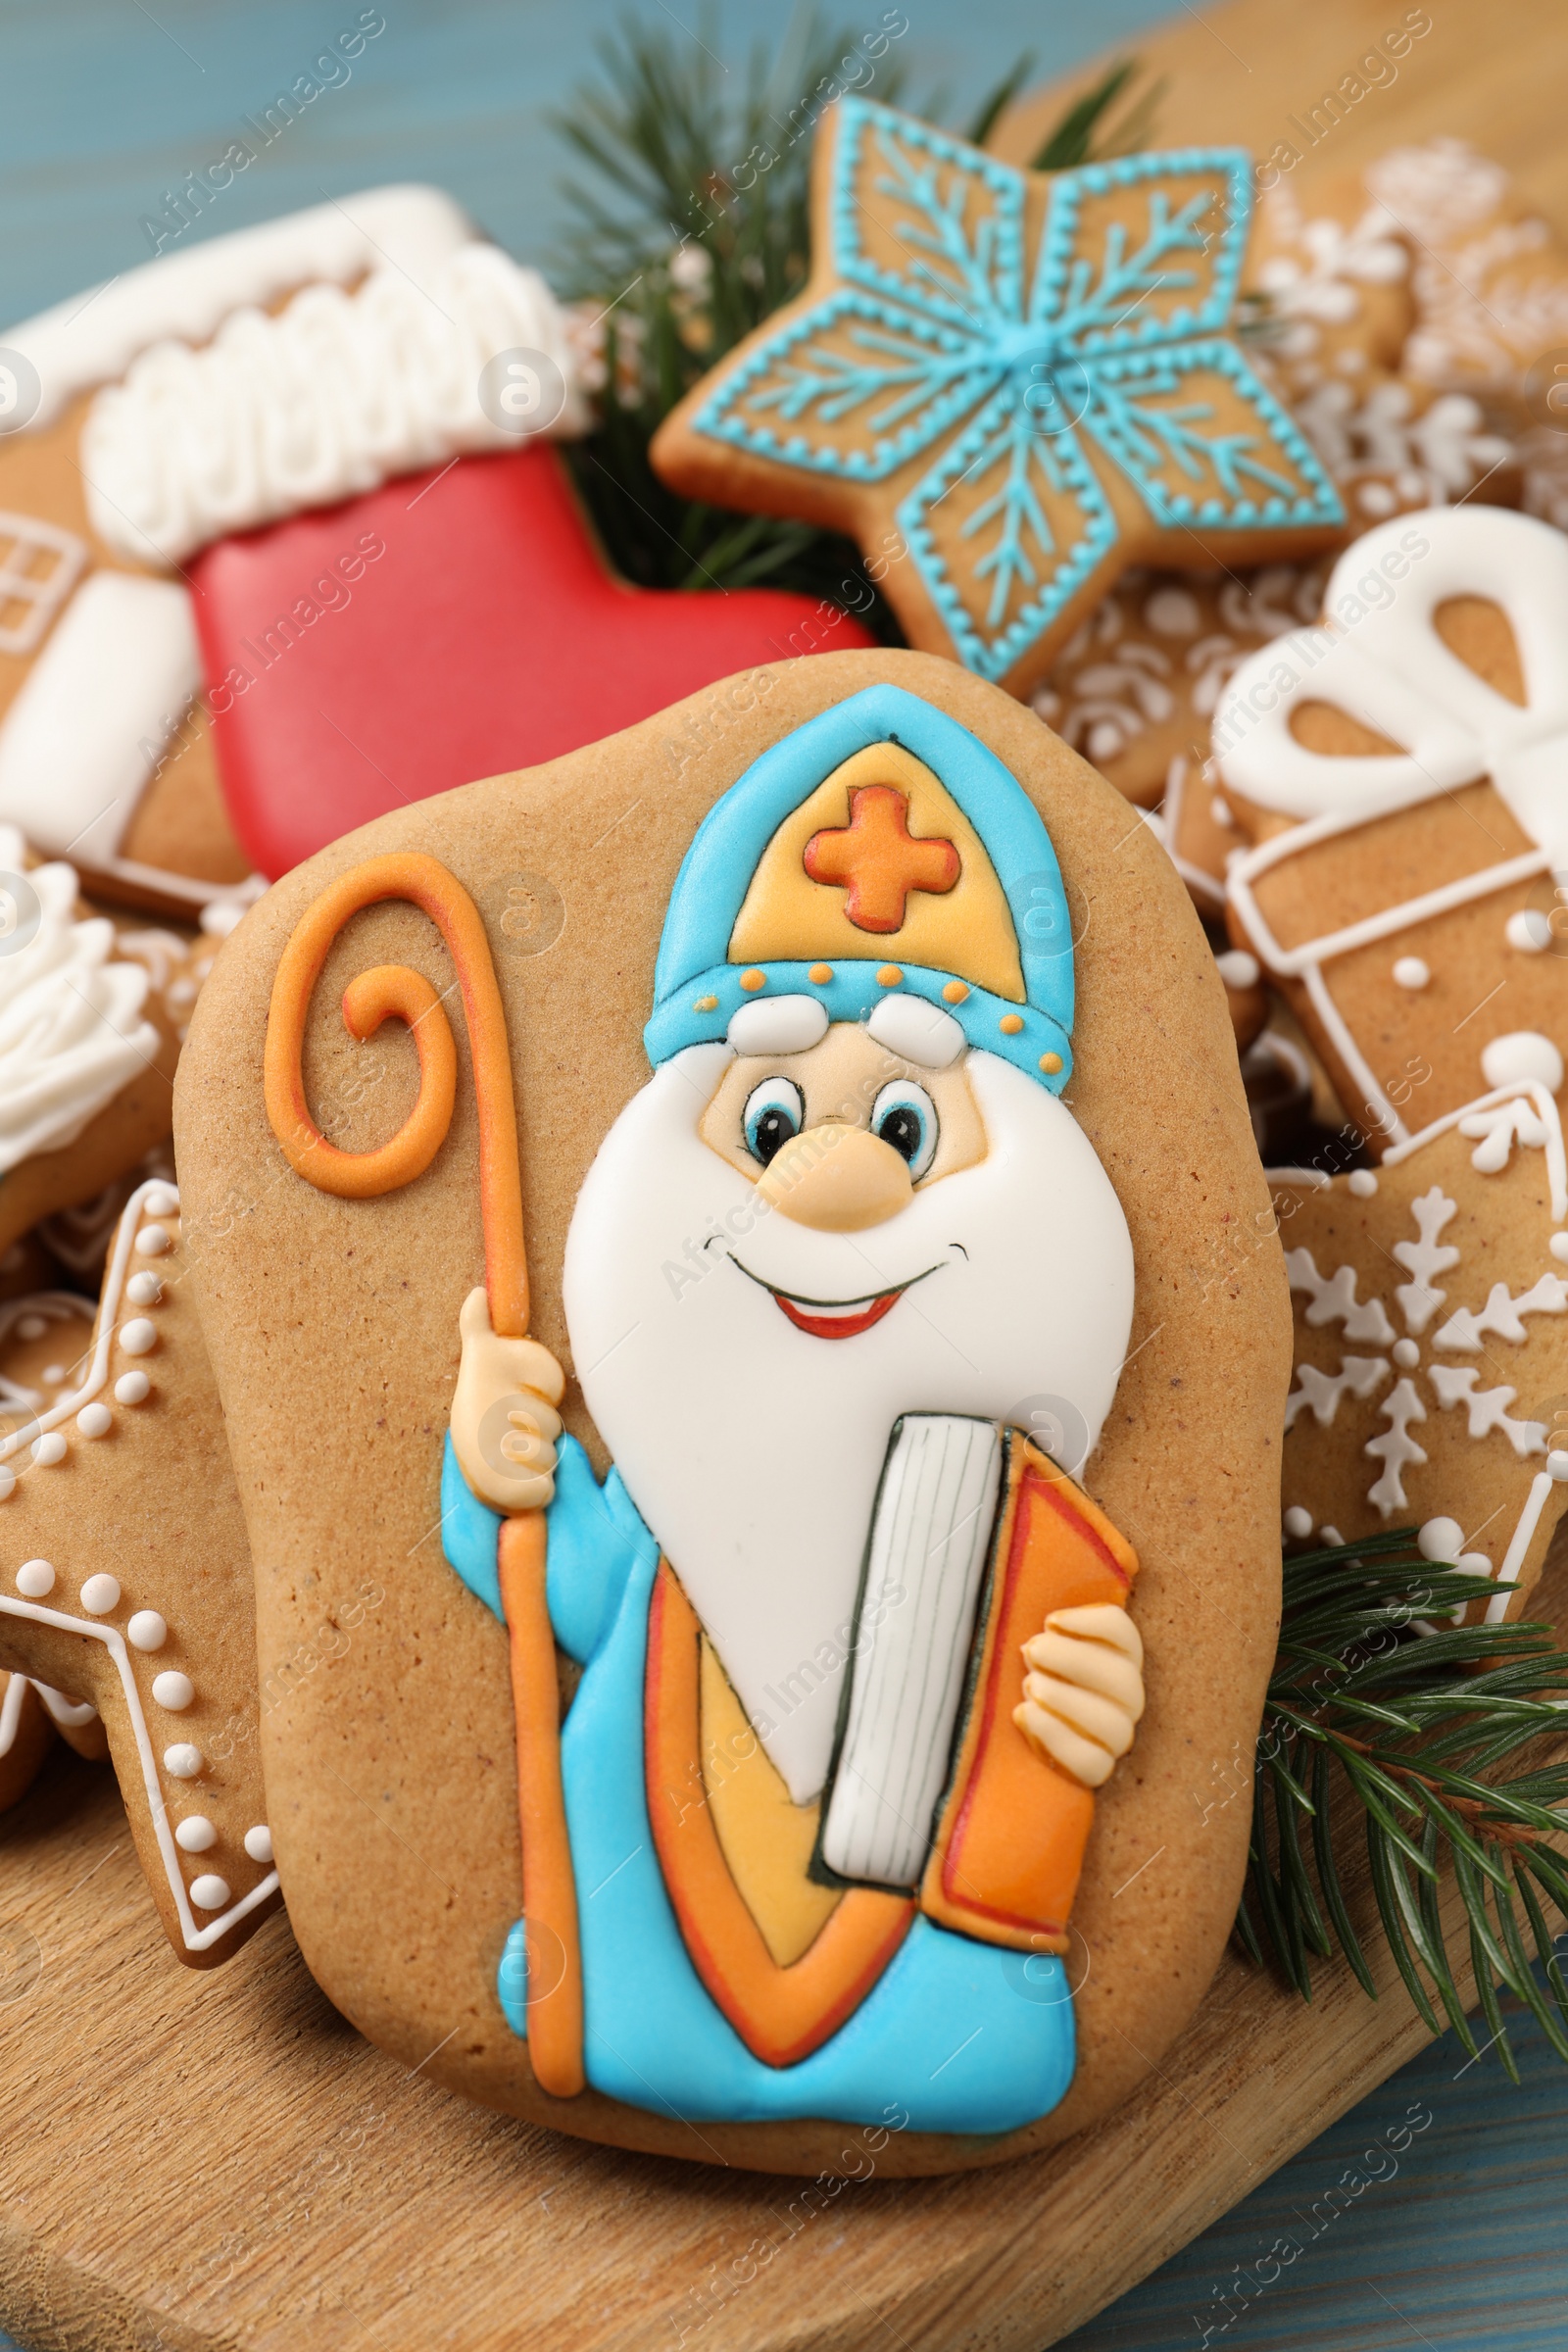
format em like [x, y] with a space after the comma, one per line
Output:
[914, 1628]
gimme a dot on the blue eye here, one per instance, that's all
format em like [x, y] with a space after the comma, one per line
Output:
[774, 1111]
[904, 1117]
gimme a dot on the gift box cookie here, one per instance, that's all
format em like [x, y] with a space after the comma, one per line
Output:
[1397, 770]
[818, 1440]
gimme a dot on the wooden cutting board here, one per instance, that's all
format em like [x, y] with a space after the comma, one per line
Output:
[220, 2161]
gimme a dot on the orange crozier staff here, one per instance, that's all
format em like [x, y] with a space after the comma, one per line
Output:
[549, 1889]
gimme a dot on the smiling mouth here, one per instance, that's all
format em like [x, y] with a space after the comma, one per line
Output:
[834, 1318]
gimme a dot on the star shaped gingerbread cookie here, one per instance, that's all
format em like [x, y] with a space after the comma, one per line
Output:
[1010, 386]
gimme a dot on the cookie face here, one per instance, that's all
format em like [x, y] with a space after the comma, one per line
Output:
[764, 1315]
[1432, 1345]
[1397, 770]
[127, 1580]
[960, 387]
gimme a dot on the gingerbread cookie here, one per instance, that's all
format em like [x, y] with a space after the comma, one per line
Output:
[876, 1489]
[1398, 770]
[168, 409]
[86, 1060]
[1432, 1343]
[127, 1581]
[1010, 386]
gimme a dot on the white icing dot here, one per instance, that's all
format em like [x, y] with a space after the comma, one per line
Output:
[8, 1483]
[147, 1631]
[49, 1449]
[1298, 1522]
[1558, 1246]
[1173, 613]
[180, 992]
[1237, 968]
[162, 1201]
[1411, 973]
[1376, 498]
[1363, 1183]
[1406, 1355]
[95, 1420]
[209, 1892]
[195, 1833]
[152, 1241]
[1473, 1563]
[100, 1594]
[1439, 1540]
[144, 1288]
[32, 1327]
[138, 1337]
[1331, 1537]
[53, 1375]
[258, 1842]
[1529, 931]
[1522, 1054]
[132, 1388]
[36, 1578]
[1558, 1466]
[182, 1760]
[174, 1691]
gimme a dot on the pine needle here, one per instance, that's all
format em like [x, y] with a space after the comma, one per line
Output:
[1432, 1746]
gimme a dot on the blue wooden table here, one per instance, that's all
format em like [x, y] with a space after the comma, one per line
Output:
[105, 105]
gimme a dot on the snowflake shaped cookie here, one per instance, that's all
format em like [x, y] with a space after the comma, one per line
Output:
[1431, 1341]
[1010, 386]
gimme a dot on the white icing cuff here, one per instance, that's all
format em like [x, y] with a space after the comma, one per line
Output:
[103, 698]
[777, 1025]
[328, 400]
[92, 339]
[917, 1031]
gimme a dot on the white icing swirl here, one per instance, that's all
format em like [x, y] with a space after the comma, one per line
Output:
[71, 1036]
[327, 400]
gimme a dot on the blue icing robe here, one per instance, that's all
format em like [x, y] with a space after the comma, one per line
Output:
[955, 2035]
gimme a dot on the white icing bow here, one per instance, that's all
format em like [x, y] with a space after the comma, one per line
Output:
[1379, 657]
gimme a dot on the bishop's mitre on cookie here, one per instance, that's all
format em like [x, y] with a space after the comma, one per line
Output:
[782, 1311]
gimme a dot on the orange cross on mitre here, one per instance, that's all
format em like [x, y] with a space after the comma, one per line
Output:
[877, 861]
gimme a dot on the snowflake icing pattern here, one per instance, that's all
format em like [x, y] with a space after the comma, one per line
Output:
[1366, 1323]
[1116, 366]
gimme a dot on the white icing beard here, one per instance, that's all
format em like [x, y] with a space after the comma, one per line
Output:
[752, 1449]
[70, 1032]
[331, 398]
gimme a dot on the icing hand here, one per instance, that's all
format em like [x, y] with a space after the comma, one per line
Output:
[1084, 1692]
[503, 1419]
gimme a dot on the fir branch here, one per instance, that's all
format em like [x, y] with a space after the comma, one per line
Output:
[1084, 136]
[1431, 1737]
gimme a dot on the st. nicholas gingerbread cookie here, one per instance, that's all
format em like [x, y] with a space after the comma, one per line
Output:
[872, 1440]
[1400, 772]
